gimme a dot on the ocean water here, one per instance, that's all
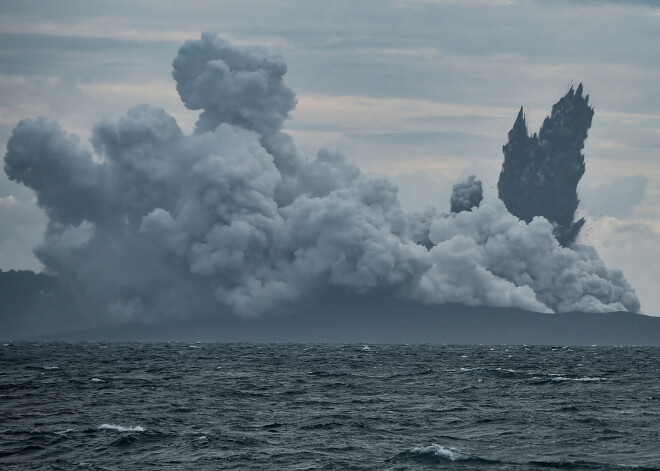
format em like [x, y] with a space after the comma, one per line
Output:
[347, 407]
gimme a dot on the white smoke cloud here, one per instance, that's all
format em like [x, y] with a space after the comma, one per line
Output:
[528, 255]
[157, 223]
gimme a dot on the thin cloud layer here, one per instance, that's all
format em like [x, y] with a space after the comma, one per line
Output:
[617, 198]
[156, 223]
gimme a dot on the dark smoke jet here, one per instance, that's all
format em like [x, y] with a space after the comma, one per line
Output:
[466, 195]
[541, 173]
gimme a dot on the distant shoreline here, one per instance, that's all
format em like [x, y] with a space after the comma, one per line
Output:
[360, 320]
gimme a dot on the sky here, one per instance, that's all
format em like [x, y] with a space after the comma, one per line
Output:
[421, 91]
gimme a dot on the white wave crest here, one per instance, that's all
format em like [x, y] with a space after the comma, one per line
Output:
[508, 370]
[451, 454]
[119, 428]
[585, 379]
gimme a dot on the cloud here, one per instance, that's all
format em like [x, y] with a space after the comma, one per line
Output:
[156, 223]
[617, 198]
[417, 191]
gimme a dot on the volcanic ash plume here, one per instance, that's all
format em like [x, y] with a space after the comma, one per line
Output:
[541, 173]
[466, 195]
[156, 223]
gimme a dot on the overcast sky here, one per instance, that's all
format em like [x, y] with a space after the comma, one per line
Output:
[422, 91]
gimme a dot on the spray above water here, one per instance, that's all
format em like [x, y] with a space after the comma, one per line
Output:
[155, 223]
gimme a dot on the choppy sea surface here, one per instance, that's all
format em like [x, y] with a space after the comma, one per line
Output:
[97, 406]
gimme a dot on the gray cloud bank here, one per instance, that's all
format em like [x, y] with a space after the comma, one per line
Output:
[154, 223]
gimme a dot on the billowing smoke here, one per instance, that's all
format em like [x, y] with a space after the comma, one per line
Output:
[541, 173]
[466, 195]
[155, 223]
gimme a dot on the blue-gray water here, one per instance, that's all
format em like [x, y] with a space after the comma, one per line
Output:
[217, 406]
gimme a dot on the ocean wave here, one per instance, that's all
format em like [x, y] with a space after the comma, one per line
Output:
[119, 428]
[583, 379]
[497, 371]
[508, 370]
[436, 451]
